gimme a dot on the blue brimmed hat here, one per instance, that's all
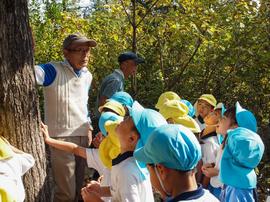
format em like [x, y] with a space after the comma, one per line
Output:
[173, 146]
[145, 121]
[245, 118]
[242, 153]
[123, 97]
[107, 116]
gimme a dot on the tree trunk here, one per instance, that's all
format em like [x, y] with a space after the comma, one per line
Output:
[19, 112]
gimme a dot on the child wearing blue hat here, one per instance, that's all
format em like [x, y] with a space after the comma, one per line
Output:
[236, 120]
[243, 150]
[124, 98]
[130, 179]
[171, 154]
[242, 153]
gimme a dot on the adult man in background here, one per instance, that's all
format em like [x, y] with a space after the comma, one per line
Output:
[114, 82]
[66, 85]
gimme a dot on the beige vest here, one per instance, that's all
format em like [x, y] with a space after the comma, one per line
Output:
[66, 112]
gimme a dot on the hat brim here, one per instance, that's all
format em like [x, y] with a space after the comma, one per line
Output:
[114, 109]
[189, 123]
[139, 61]
[236, 175]
[141, 156]
[208, 101]
[88, 42]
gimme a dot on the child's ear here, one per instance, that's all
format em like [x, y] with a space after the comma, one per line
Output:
[134, 137]
[163, 171]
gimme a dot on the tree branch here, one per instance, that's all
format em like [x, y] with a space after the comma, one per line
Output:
[176, 77]
[147, 12]
[128, 16]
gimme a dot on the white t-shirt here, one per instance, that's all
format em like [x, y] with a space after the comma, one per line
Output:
[93, 161]
[128, 183]
[214, 181]
[210, 148]
[11, 172]
[199, 195]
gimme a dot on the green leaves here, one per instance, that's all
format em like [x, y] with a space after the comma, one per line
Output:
[190, 47]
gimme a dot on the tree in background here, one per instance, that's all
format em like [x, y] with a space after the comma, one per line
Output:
[19, 112]
[192, 47]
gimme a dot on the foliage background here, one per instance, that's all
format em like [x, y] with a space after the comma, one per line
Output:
[190, 47]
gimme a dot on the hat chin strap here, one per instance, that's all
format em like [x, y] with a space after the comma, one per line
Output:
[160, 181]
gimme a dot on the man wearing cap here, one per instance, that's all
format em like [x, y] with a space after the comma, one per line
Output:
[114, 82]
[66, 85]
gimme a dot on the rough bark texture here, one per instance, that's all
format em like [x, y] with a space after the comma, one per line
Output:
[19, 113]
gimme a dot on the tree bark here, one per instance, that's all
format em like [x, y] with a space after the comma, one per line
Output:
[19, 108]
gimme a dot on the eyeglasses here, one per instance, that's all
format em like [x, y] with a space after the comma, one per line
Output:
[79, 50]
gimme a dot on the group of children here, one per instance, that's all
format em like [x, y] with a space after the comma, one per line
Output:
[186, 153]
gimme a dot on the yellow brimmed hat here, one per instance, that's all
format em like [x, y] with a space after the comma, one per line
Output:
[169, 95]
[109, 148]
[173, 108]
[209, 98]
[178, 112]
[188, 122]
[114, 106]
[5, 150]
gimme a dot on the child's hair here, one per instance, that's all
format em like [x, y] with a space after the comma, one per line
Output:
[136, 131]
[204, 101]
[231, 114]
[186, 172]
[218, 109]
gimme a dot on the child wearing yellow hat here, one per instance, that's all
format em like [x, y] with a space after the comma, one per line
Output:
[203, 106]
[209, 141]
[13, 164]
[176, 112]
[113, 106]
[169, 95]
